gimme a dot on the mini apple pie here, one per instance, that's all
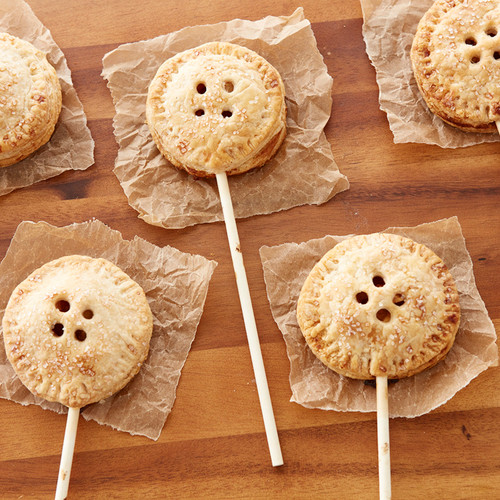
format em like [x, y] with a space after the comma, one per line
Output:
[30, 99]
[456, 62]
[217, 108]
[76, 330]
[379, 305]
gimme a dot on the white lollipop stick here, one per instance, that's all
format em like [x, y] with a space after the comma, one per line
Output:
[384, 456]
[249, 320]
[498, 126]
[67, 453]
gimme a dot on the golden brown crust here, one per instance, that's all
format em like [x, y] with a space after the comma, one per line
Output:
[456, 62]
[30, 99]
[77, 330]
[217, 108]
[379, 305]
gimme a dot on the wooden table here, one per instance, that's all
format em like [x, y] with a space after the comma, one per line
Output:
[213, 444]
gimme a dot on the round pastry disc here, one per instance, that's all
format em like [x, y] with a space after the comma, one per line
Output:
[30, 99]
[456, 62]
[379, 305]
[217, 108]
[77, 330]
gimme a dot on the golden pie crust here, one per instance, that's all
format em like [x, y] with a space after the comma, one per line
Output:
[77, 330]
[30, 99]
[379, 305]
[456, 62]
[217, 108]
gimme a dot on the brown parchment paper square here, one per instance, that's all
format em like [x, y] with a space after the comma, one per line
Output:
[303, 171]
[388, 30]
[315, 386]
[176, 286]
[71, 146]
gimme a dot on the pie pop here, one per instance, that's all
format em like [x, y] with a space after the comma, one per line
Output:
[456, 62]
[218, 110]
[76, 331]
[31, 99]
[379, 306]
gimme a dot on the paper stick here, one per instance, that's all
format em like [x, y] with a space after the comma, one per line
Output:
[384, 456]
[498, 126]
[249, 320]
[67, 453]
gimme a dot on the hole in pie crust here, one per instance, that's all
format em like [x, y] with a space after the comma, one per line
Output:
[58, 329]
[201, 88]
[378, 281]
[62, 305]
[491, 32]
[496, 54]
[398, 299]
[475, 59]
[80, 335]
[227, 114]
[199, 112]
[88, 314]
[383, 315]
[471, 41]
[228, 86]
[362, 297]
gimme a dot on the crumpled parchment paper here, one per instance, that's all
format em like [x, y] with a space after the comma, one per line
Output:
[303, 171]
[176, 286]
[71, 146]
[315, 386]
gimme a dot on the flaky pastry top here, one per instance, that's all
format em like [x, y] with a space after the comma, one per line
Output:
[30, 99]
[456, 62]
[213, 107]
[379, 305]
[77, 330]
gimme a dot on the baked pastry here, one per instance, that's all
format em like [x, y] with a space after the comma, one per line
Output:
[30, 99]
[217, 108]
[76, 330]
[379, 305]
[456, 61]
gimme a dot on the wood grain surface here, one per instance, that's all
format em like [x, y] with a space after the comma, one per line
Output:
[213, 444]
